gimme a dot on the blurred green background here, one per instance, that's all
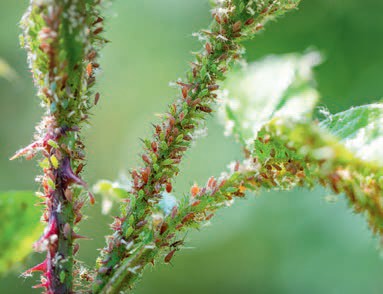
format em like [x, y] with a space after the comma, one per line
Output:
[292, 242]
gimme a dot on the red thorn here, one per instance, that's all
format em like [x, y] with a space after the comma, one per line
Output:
[44, 284]
[25, 150]
[77, 236]
[41, 267]
[69, 175]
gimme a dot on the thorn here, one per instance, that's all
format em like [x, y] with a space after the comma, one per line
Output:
[69, 175]
[25, 150]
[41, 267]
[77, 236]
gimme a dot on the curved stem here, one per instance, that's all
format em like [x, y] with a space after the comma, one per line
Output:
[234, 21]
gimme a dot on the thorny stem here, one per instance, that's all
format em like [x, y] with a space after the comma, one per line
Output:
[234, 21]
[330, 164]
[197, 209]
[293, 163]
[62, 39]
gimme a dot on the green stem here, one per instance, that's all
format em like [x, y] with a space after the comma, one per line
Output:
[61, 38]
[234, 21]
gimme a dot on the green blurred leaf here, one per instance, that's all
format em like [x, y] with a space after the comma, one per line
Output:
[6, 71]
[20, 227]
[360, 129]
[111, 192]
[276, 86]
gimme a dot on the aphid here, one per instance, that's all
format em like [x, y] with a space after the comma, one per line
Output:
[154, 146]
[67, 230]
[334, 180]
[300, 174]
[188, 217]
[194, 190]
[96, 98]
[158, 129]
[98, 30]
[177, 244]
[92, 55]
[169, 187]
[89, 69]
[76, 248]
[172, 121]
[169, 256]
[79, 168]
[86, 277]
[272, 152]
[208, 48]
[145, 174]
[92, 200]
[213, 87]
[212, 183]
[174, 211]
[203, 108]
[185, 91]
[209, 216]
[277, 167]
[236, 167]
[140, 224]
[259, 27]
[217, 18]
[145, 158]
[188, 138]
[237, 26]
[196, 203]
[249, 21]
[163, 228]
[264, 10]
[98, 20]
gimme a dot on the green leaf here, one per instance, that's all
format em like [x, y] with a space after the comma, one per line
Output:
[20, 227]
[360, 129]
[277, 86]
[6, 71]
[111, 192]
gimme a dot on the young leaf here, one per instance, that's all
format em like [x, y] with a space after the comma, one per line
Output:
[360, 129]
[280, 86]
[20, 227]
[111, 192]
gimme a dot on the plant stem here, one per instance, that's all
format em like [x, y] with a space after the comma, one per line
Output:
[62, 39]
[234, 21]
[285, 157]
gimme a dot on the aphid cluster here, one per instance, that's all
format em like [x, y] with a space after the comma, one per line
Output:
[174, 134]
[63, 78]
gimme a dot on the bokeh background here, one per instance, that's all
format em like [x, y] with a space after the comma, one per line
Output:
[289, 243]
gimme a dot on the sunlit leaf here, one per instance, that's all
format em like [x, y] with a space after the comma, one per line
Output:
[20, 227]
[360, 129]
[277, 86]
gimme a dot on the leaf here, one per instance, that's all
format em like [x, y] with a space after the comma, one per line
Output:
[111, 192]
[360, 129]
[277, 86]
[6, 71]
[20, 227]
